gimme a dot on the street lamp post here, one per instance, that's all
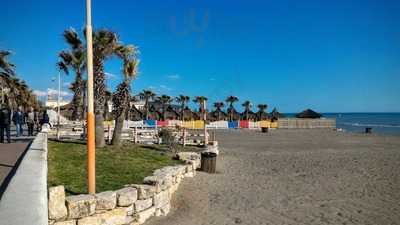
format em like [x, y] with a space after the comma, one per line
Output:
[205, 123]
[91, 148]
[58, 105]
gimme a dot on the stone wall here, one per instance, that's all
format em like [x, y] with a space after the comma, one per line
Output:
[131, 205]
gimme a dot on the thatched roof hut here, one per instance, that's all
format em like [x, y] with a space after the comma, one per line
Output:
[248, 113]
[217, 115]
[262, 115]
[233, 115]
[154, 114]
[188, 114]
[308, 114]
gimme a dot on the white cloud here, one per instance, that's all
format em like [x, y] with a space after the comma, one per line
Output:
[51, 91]
[67, 84]
[164, 87]
[39, 93]
[174, 77]
[110, 76]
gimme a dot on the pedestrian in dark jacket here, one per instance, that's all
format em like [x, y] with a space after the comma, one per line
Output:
[5, 121]
[18, 119]
[45, 118]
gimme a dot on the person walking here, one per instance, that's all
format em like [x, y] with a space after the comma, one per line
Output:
[5, 121]
[18, 119]
[45, 118]
[37, 121]
[30, 121]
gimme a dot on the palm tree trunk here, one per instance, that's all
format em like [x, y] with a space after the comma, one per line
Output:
[119, 123]
[100, 94]
[182, 111]
[121, 104]
[146, 107]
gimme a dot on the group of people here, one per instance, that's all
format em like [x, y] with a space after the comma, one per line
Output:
[19, 118]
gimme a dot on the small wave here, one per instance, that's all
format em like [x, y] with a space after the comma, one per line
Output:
[371, 125]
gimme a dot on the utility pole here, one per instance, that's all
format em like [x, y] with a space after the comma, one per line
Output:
[91, 148]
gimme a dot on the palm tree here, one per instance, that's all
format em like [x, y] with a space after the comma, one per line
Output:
[147, 95]
[165, 100]
[218, 106]
[74, 59]
[247, 107]
[20, 94]
[105, 45]
[201, 100]
[183, 100]
[231, 99]
[7, 69]
[122, 96]
[262, 108]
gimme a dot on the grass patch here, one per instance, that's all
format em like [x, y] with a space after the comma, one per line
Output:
[115, 166]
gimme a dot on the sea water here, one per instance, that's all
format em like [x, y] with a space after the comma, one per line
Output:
[384, 123]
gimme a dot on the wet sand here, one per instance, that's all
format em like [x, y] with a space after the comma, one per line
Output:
[294, 177]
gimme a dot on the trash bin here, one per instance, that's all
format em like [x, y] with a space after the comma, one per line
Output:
[208, 162]
[368, 130]
[264, 129]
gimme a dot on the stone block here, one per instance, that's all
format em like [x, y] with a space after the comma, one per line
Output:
[155, 181]
[142, 216]
[163, 211]
[91, 220]
[106, 200]
[114, 217]
[183, 156]
[130, 210]
[189, 168]
[56, 203]
[173, 189]
[68, 222]
[126, 196]
[161, 199]
[144, 191]
[80, 206]
[190, 174]
[141, 205]
[160, 182]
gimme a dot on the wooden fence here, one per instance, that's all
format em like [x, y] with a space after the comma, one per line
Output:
[295, 123]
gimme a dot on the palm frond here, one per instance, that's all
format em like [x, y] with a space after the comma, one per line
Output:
[72, 38]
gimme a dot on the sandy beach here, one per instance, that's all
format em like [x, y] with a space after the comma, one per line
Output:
[294, 177]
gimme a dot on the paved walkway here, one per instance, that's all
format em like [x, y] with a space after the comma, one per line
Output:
[9, 155]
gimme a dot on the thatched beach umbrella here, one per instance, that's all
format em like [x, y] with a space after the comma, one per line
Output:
[308, 114]
[188, 114]
[135, 114]
[275, 114]
[171, 113]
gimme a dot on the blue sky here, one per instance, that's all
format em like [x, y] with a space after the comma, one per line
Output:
[332, 56]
